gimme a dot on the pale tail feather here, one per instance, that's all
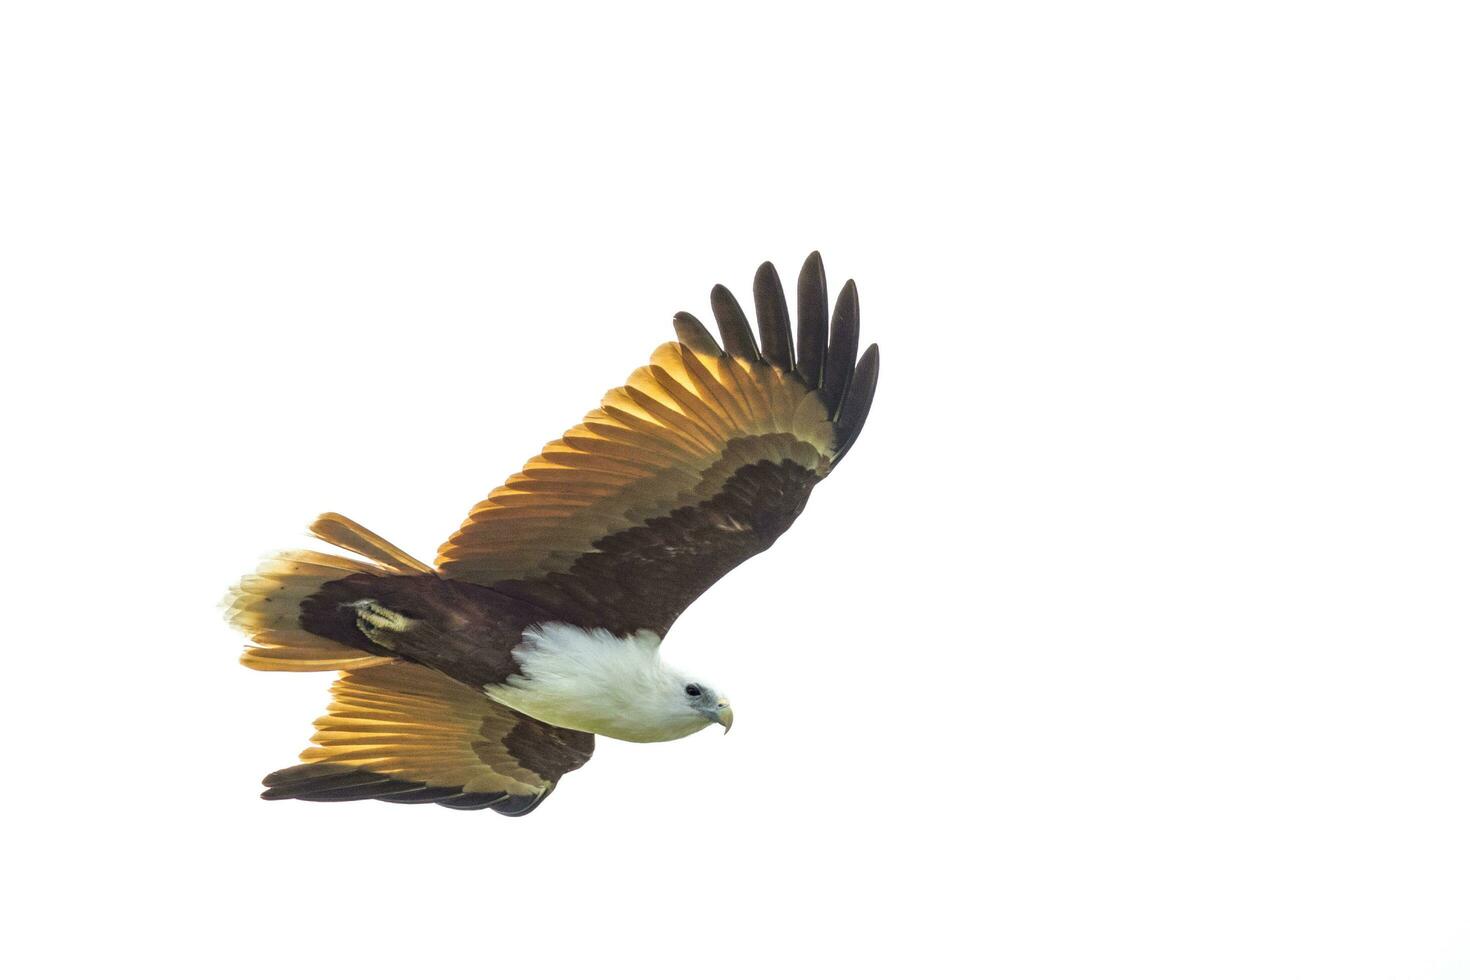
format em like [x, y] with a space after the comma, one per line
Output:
[351, 536]
[266, 605]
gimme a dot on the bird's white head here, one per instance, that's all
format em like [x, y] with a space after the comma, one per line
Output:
[618, 686]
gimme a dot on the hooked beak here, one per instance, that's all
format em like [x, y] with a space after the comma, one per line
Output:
[723, 714]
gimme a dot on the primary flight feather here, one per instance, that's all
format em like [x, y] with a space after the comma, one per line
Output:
[481, 681]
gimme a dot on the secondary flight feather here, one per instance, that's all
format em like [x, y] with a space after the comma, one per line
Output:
[481, 681]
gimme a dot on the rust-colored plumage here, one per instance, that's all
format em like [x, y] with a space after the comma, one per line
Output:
[409, 734]
[701, 460]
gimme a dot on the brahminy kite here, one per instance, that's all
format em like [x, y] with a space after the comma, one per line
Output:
[481, 680]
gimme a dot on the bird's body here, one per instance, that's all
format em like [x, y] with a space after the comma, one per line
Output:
[480, 681]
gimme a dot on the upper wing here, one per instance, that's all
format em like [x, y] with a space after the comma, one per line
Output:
[701, 460]
[407, 734]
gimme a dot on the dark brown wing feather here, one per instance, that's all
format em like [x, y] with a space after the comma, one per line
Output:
[811, 320]
[644, 576]
[700, 461]
[772, 317]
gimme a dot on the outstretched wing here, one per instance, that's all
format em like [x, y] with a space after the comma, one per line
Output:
[702, 459]
[407, 734]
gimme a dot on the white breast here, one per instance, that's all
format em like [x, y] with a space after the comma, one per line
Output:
[594, 681]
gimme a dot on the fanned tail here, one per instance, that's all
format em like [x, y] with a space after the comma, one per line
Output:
[266, 605]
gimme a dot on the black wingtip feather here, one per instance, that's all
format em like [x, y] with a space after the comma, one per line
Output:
[692, 334]
[473, 801]
[734, 327]
[824, 359]
[811, 320]
[842, 348]
[519, 806]
[428, 794]
[859, 399]
[347, 794]
[318, 775]
[773, 318]
[325, 782]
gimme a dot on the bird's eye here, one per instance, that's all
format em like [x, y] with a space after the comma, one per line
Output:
[692, 690]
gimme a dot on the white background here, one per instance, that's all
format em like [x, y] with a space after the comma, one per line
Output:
[1131, 639]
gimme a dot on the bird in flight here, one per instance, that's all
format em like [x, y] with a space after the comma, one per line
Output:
[481, 680]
